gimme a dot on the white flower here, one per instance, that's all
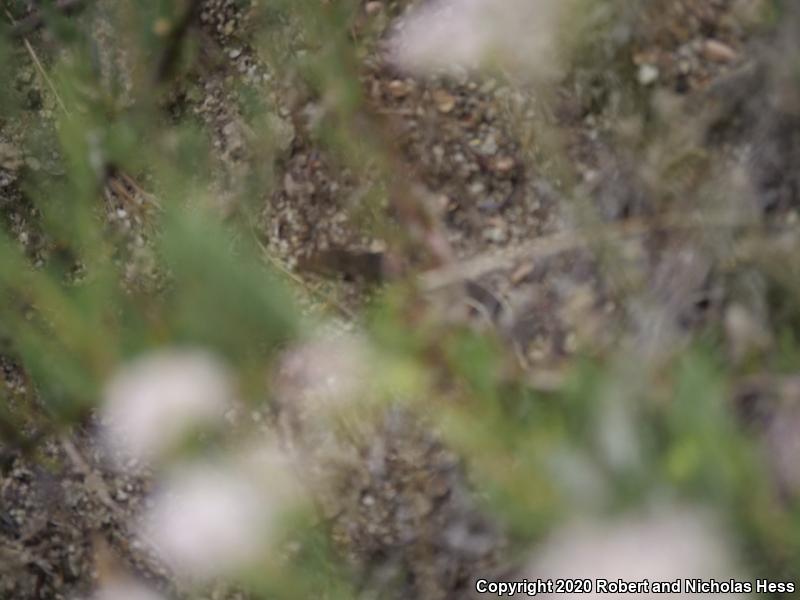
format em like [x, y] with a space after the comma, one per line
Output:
[210, 520]
[152, 402]
[450, 34]
[125, 590]
[661, 546]
[321, 386]
[323, 374]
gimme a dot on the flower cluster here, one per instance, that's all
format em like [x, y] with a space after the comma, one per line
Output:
[451, 35]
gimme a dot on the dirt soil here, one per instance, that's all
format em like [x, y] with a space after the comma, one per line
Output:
[473, 151]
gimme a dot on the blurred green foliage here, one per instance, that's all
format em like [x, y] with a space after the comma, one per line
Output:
[616, 434]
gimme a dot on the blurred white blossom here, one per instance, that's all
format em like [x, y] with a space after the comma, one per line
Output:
[318, 382]
[208, 520]
[152, 402]
[325, 371]
[661, 546]
[446, 35]
[125, 590]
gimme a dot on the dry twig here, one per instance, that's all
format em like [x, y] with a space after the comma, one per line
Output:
[552, 245]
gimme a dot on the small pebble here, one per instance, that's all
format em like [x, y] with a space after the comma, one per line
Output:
[503, 164]
[399, 88]
[373, 8]
[648, 74]
[489, 146]
[445, 101]
[718, 51]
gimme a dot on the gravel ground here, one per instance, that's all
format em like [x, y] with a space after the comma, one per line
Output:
[471, 147]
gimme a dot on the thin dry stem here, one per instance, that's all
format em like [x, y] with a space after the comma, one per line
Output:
[38, 64]
[552, 245]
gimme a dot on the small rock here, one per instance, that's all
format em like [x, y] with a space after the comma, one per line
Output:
[443, 203]
[497, 232]
[229, 129]
[503, 164]
[33, 163]
[445, 101]
[522, 272]
[648, 74]
[477, 188]
[27, 75]
[10, 157]
[399, 88]
[373, 8]
[497, 235]
[282, 130]
[718, 51]
[489, 146]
